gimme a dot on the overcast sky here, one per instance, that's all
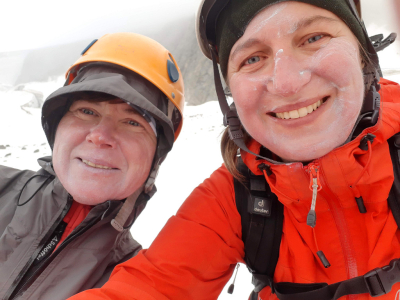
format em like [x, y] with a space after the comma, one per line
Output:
[29, 24]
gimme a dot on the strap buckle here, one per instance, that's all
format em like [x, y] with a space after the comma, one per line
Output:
[380, 43]
[231, 118]
[260, 281]
[380, 281]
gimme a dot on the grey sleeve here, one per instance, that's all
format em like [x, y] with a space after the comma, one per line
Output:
[110, 268]
[11, 183]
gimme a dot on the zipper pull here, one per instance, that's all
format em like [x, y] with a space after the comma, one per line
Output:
[232, 286]
[315, 187]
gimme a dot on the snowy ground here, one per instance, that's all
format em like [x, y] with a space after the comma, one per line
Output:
[195, 155]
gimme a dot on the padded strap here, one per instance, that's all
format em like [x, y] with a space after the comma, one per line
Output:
[262, 221]
[376, 283]
[394, 195]
[322, 291]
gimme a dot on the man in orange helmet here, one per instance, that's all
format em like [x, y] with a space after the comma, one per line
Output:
[65, 227]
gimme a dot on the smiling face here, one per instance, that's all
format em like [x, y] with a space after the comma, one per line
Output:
[103, 151]
[296, 80]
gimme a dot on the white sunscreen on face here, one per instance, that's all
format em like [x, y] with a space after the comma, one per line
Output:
[279, 9]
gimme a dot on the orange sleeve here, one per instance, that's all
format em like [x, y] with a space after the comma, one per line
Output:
[192, 257]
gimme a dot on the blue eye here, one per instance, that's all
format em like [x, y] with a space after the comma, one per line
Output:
[315, 38]
[133, 123]
[87, 111]
[253, 60]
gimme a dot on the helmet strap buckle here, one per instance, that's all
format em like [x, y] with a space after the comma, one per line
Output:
[149, 184]
[380, 43]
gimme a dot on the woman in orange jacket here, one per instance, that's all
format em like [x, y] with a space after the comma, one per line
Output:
[304, 78]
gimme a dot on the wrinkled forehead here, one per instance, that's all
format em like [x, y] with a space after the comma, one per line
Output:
[97, 99]
[284, 19]
[122, 107]
[288, 15]
[100, 101]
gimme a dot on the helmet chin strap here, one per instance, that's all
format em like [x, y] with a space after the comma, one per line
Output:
[369, 112]
[140, 196]
[125, 211]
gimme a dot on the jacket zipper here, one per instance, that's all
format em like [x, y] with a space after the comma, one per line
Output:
[315, 187]
[49, 259]
[338, 216]
[40, 246]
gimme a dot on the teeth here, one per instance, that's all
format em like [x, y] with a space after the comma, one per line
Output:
[299, 113]
[303, 112]
[294, 114]
[286, 115]
[94, 165]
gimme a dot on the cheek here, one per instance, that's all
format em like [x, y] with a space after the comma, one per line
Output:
[339, 65]
[338, 62]
[68, 137]
[141, 158]
[246, 92]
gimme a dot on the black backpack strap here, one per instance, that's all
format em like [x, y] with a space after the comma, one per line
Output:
[262, 221]
[376, 283]
[394, 195]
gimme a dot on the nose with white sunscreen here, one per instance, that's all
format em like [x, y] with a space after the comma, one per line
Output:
[289, 75]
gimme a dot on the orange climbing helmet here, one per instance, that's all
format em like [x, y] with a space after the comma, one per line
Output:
[141, 55]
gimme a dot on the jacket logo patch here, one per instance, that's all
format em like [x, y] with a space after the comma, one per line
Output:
[52, 243]
[50, 246]
[262, 206]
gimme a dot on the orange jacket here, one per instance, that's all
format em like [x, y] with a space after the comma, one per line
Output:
[194, 255]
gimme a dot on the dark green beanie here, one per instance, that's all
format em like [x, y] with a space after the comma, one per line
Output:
[233, 21]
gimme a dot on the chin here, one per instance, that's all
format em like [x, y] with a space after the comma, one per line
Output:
[93, 196]
[302, 158]
[304, 154]
[93, 200]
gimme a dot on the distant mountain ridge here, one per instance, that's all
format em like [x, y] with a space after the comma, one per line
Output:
[179, 37]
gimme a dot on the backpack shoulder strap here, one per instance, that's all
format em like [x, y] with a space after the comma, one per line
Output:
[262, 221]
[394, 195]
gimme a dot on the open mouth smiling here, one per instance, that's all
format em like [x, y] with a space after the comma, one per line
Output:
[301, 112]
[97, 166]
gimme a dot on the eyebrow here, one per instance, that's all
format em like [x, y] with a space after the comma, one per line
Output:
[315, 19]
[299, 25]
[129, 110]
[248, 44]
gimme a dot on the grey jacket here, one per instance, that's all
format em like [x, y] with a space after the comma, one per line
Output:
[84, 260]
